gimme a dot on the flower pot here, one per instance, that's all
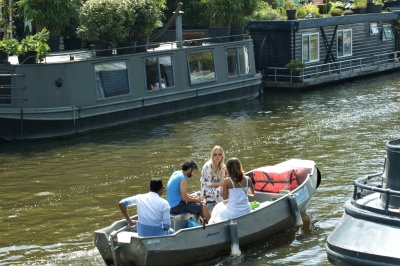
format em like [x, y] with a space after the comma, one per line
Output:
[142, 43]
[370, 8]
[126, 48]
[291, 14]
[3, 57]
[219, 35]
[54, 43]
[72, 44]
[237, 33]
[28, 57]
[359, 10]
[102, 49]
[377, 8]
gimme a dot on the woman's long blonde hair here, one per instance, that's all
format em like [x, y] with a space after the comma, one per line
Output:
[214, 167]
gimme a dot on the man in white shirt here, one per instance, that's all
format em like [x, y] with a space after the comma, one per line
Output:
[153, 211]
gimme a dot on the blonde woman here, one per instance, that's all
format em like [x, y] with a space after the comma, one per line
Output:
[212, 175]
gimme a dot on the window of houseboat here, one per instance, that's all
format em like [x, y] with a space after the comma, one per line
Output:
[111, 79]
[159, 73]
[387, 32]
[344, 43]
[201, 67]
[373, 29]
[238, 60]
[310, 47]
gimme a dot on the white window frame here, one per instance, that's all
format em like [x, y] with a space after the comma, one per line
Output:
[309, 47]
[344, 49]
[373, 28]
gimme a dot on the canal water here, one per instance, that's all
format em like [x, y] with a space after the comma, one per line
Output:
[56, 193]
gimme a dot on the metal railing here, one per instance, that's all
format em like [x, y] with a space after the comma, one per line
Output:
[334, 70]
[362, 184]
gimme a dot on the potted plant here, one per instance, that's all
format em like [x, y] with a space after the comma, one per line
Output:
[309, 10]
[378, 4]
[359, 6]
[148, 16]
[7, 46]
[296, 68]
[53, 15]
[336, 12]
[290, 7]
[33, 48]
[103, 24]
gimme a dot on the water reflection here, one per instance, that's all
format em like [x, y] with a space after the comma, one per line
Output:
[55, 193]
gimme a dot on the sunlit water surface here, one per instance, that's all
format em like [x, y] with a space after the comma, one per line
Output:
[56, 193]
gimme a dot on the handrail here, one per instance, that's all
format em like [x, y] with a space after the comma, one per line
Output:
[87, 54]
[362, 184]
[347, 67]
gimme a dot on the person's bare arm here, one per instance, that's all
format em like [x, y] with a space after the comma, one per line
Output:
[185, 196]
[250, 191]
[124, 211]
[225, 189]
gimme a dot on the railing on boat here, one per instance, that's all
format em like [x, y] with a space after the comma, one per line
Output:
[334, 70]
[362, 184]
[87, 53]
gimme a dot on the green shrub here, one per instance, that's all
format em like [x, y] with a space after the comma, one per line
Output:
[295, 64]
[336, 11]
[266, 12]
[304, 10]
[103, 21]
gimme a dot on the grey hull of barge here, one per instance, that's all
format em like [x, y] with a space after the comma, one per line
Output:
[60, 97]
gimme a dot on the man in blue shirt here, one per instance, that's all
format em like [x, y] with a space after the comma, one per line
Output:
[177, 196]
[153, 211]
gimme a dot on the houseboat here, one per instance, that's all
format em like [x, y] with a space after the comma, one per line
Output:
[73, 92]
[369, 231]
[332, 48]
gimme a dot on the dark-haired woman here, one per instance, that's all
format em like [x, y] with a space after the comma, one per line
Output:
[236, 188]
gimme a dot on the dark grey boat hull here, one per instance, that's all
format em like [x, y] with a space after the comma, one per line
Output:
[361, 238]
[26, 128]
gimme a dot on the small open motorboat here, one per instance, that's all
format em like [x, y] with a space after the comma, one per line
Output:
[273, 212]
[369, 231]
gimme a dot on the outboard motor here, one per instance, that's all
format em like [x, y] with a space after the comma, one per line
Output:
[391, 174]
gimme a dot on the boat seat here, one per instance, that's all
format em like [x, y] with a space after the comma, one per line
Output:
[125, 236]
[179, 221]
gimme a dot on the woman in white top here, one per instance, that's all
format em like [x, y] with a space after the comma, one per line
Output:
[235, 190]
